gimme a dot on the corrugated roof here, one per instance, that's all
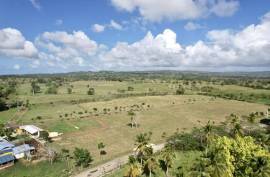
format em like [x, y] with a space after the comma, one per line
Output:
[4, 144]
[22, 148]
[6, 158]
[32, 129]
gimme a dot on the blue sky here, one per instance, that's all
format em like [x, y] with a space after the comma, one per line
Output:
[40, 36]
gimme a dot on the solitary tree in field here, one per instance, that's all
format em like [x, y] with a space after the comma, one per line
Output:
[132, 118]
[35, 88]
[101, 147]
[69, 90]
[91, 91]
[82, 157]
[180, 90]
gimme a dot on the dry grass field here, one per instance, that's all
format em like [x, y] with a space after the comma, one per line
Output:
[166, 114]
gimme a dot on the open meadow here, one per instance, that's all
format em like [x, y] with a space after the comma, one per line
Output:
[86, 120]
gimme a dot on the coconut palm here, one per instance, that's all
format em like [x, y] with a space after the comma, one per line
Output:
[134, 170]
[167, 157]
[150, 165]
[237, 130]
[261, 167]
[143, 151]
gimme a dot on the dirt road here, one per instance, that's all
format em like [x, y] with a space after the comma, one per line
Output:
[112, 165]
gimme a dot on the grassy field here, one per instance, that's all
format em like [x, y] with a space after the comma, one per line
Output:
[86, 124]
[44, 169]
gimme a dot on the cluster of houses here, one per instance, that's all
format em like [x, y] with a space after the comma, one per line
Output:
[9, 152]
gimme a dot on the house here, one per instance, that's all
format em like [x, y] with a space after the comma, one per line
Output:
[31, 130]
[23, 151]
[6, 154]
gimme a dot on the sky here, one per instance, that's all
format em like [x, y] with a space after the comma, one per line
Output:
[49, 36]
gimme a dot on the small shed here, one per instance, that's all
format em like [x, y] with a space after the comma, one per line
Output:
[31, 130]
[23, 151]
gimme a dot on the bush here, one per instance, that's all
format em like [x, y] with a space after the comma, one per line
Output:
[91, 91]
[82, 157]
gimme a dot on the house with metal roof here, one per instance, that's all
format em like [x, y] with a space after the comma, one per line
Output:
[23, 151]
[6, 154]
[31, 130]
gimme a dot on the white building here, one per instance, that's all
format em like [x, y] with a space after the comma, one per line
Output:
[32, 130]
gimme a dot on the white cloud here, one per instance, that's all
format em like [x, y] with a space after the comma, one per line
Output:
[225, 8]
[158, 10]
[190, 26]
[59, 22]
[149, 52]
[98, 28]
[249, 47]
[13, 44]
[62, 48]
[115, 25]
[35, 4]
[16, 67]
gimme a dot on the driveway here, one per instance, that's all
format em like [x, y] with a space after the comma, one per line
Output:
[112, 165]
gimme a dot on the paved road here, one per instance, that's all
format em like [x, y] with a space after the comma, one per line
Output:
[112, 165]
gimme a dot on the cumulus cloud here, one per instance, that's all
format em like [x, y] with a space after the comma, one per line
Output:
[157, 10]
[66, 48]
[249, 47]
[191, 26]
[98, 28]
[13, 44]
[159, 51]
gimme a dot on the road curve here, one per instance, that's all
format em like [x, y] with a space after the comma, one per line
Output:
[112, 165]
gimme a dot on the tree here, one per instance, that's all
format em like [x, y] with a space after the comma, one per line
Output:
[3, 105]
[91, 91]
[4, 132]
[82, 157]
[101, 147]
[132, 118]
[35, 88]
[150, 165]
[143, 149]
[45, 135]
[134, 170]
[52, 89]
[130, 88]
[69, 90]
[166, 161]
[65, 156]
[180, 90]
[237, 130]
[228, 157]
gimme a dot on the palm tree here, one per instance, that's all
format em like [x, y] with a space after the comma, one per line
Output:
[143, 138]
[237, 130]
[143, 151]
[261, 167]
[150, 165]
[218, 168]
[134, 170]
[208, 129]
[167, 157]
